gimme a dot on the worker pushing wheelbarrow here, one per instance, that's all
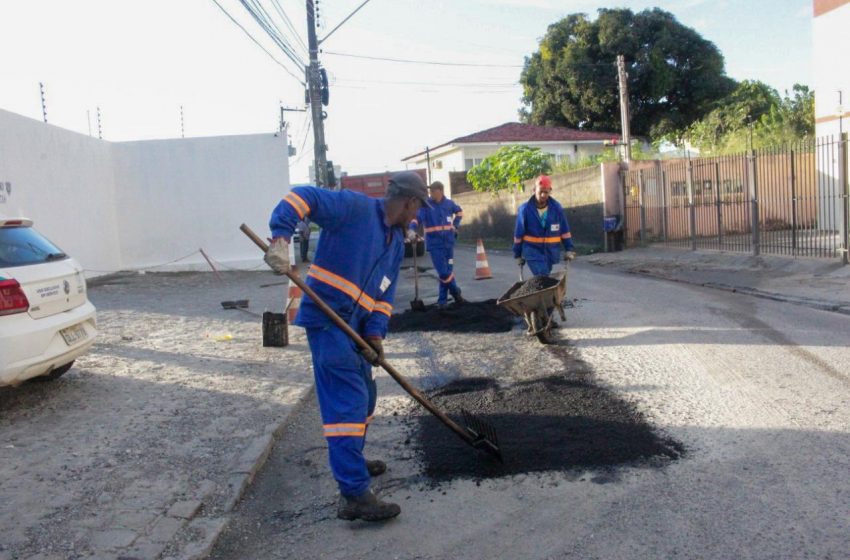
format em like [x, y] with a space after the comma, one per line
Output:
[536, 301]
[541, 232]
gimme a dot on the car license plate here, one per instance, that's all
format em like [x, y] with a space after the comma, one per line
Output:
[73, 335]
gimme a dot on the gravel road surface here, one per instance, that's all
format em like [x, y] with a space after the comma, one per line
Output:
[756, 391]
[153, 427]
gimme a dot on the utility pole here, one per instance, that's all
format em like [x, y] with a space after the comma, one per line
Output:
[43, 103]
[182, 124]
[624, 108]
[99, 128]
[314, 92]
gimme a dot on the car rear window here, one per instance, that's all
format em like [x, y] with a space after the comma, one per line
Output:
[20, 246]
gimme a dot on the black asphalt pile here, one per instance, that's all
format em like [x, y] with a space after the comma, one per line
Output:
[546, 424]
[534, 284]
[469, 317]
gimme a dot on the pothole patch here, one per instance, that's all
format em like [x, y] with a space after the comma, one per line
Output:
[469, 317]
[551, 423]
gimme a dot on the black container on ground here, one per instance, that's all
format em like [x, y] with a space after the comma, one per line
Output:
[275, 330]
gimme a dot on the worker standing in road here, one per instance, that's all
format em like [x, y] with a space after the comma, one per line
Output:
[441, 219]
[355, 271]
[303, 229]
[541, 231]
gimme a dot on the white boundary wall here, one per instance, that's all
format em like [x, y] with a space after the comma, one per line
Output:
[136, 205]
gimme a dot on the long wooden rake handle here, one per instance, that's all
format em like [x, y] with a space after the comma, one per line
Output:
[346, 328]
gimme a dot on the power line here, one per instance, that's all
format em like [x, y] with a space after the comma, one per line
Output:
[239, 25]
[449, 84]
[261, 17]
[431, 62]
[288, 23]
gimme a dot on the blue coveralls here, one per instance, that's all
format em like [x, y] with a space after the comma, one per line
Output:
[440, 222]
[539, 241]
[355, 271]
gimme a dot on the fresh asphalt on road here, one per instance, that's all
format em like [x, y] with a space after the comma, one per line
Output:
[758, 392]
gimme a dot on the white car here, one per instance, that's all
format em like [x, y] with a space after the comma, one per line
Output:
[46, 319]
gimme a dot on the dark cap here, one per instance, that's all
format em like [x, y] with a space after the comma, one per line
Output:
[408, 184]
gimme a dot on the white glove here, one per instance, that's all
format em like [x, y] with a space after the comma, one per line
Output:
[277, 257]
[411, 235]
[569, 256]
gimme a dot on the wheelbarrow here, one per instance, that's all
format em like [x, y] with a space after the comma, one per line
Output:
[537, 307]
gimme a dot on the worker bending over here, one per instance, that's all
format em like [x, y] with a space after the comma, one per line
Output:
[541, 230]
[355, 271]
[440, 219]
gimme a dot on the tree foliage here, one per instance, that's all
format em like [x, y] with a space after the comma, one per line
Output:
[755, 116]
[675, 76]
[508, 168]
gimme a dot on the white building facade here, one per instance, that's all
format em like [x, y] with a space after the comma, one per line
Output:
[831, 44]
[140, 205]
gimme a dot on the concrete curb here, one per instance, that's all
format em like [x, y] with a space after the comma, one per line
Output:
[202, 532]
[822, 305]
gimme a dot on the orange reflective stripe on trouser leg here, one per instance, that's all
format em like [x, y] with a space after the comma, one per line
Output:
[345, 429]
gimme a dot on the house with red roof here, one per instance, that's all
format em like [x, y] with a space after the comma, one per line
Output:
[451, 160]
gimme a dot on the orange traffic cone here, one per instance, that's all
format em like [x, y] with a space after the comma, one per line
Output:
[482, 267]
[295, 294]
[293, 301]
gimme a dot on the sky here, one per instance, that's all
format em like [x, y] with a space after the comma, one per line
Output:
[140, 60]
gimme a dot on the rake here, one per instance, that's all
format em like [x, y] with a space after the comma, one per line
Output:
[477, 433]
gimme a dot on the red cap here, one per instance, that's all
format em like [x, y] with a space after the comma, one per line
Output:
[544, 182]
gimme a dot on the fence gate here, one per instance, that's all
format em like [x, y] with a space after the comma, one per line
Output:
[784, 201]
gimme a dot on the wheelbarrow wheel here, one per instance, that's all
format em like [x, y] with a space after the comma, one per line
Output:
[542, 327]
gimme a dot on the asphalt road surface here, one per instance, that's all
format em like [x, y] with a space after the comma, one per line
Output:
[757, 391]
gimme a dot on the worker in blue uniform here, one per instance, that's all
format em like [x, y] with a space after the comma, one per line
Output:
[542, 230]
[355, 271]
[441, 219]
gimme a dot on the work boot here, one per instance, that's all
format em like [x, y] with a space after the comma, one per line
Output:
[376, 467]
[366, 507]
[459, 298]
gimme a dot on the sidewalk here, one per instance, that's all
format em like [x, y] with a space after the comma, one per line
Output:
[143, 449]
[822, 284]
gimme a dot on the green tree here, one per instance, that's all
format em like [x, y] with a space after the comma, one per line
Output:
[755, 116]
[508, 168]
[675, 75]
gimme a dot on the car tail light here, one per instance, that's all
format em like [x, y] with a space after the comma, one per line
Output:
[12, 298]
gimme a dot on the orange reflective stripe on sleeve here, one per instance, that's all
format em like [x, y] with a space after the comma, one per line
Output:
[567, 235]
[301, 207]
[340, 430]
[449, 279]
[517, 239]
[383, 307]
[345, 286]
[459, 214]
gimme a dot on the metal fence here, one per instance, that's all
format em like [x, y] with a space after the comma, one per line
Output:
[796, 196]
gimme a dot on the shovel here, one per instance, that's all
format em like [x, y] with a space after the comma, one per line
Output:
[477, 433]
[417, 304]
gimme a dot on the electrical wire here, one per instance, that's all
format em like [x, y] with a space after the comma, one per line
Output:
[291, 27]
[261, 17]
[431, 62]
[240, 26]
[449, 84]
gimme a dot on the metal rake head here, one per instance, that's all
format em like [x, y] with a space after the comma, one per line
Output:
[483, 434]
